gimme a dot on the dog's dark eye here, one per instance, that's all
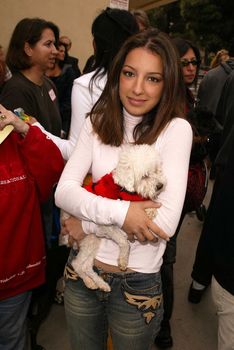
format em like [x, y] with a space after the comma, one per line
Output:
[159, 186]
[145, 176]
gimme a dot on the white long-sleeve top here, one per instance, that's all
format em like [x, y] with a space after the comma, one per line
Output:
[83, 98]
[174, 146]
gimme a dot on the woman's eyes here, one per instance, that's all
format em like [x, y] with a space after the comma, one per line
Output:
[154, 79]
[150, 78]
[49, 43]
[128, 73]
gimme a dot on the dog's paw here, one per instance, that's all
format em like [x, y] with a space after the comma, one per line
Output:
[105, 287]
[89, 283]
[122, 263]
[102, 285]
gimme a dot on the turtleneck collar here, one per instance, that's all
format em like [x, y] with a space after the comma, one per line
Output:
[130, 121]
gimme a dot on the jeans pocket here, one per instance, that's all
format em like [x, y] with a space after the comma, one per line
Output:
[144, 291]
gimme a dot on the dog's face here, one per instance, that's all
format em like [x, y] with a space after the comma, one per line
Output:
[140, 170]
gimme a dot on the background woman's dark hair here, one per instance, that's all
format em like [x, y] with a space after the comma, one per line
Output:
[107, 113]
[183, 45]
[27, 30]
[62, 63]
[142, 19]
[110, 29]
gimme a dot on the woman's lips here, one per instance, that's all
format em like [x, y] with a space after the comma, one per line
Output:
[136, 102]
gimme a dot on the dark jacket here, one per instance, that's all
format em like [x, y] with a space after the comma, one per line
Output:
[64, 83]
[219, 223]
[74, 62]
[211, 86]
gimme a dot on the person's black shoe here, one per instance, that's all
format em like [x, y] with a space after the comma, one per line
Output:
[163, 342]
[164, 339]
[195, 295]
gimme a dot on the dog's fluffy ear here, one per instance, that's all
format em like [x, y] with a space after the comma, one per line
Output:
[123, 175]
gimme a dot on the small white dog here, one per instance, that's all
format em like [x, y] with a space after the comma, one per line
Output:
[139, 170]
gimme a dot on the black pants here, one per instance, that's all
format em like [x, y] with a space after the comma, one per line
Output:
[56, 258]
[202, 267]
[169, 259]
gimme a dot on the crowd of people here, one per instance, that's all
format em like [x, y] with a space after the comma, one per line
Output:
[60, 128]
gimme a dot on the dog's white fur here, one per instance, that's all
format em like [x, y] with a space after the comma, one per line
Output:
[139, 170]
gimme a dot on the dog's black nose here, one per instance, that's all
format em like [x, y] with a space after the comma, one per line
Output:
[159, 186]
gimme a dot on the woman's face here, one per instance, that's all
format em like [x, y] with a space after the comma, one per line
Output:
[141, 81]
[189, 66]
[43, 54]
[61, 53]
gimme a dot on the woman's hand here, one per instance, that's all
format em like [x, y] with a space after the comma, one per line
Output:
[138, 226]
[73, 227]
[9, 118]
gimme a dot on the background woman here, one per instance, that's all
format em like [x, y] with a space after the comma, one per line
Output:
[142, 102]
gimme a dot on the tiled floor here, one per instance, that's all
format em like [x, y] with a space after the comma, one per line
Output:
[194, 327]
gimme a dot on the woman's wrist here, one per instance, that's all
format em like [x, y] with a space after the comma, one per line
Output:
[25, 129]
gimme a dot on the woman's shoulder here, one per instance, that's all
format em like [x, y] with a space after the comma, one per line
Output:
[17, 80]
[179, 126]
[84, 80]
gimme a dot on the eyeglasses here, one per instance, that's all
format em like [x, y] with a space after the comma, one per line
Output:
[185, 63]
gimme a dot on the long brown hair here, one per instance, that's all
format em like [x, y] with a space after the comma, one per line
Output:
[107, 114]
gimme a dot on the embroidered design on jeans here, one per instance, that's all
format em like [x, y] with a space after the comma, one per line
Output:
[69, 273]
[145, 303]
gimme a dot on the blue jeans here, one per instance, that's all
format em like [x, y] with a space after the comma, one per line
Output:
[132, 311]
[13, 329]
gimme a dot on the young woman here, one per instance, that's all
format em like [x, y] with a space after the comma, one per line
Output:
[30, 166]
[142, 103]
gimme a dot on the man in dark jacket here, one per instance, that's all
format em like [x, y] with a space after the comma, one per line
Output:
[73, 61]
[211, 86]
[215, 252]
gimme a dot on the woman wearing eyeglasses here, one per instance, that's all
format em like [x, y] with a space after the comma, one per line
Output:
[190, 61]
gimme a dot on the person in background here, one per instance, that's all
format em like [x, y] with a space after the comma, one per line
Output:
[142, 19]
[99, 35]
[203, 267]
[220, 57]
[31, 52]
[190, 61]
[142, 102]
[211, 86]
[214, 262]
[30, 166]
[70, 59]
[63, 75]
[208, 97]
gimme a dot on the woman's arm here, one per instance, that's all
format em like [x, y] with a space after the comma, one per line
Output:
[174, 145]
[74, 199]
